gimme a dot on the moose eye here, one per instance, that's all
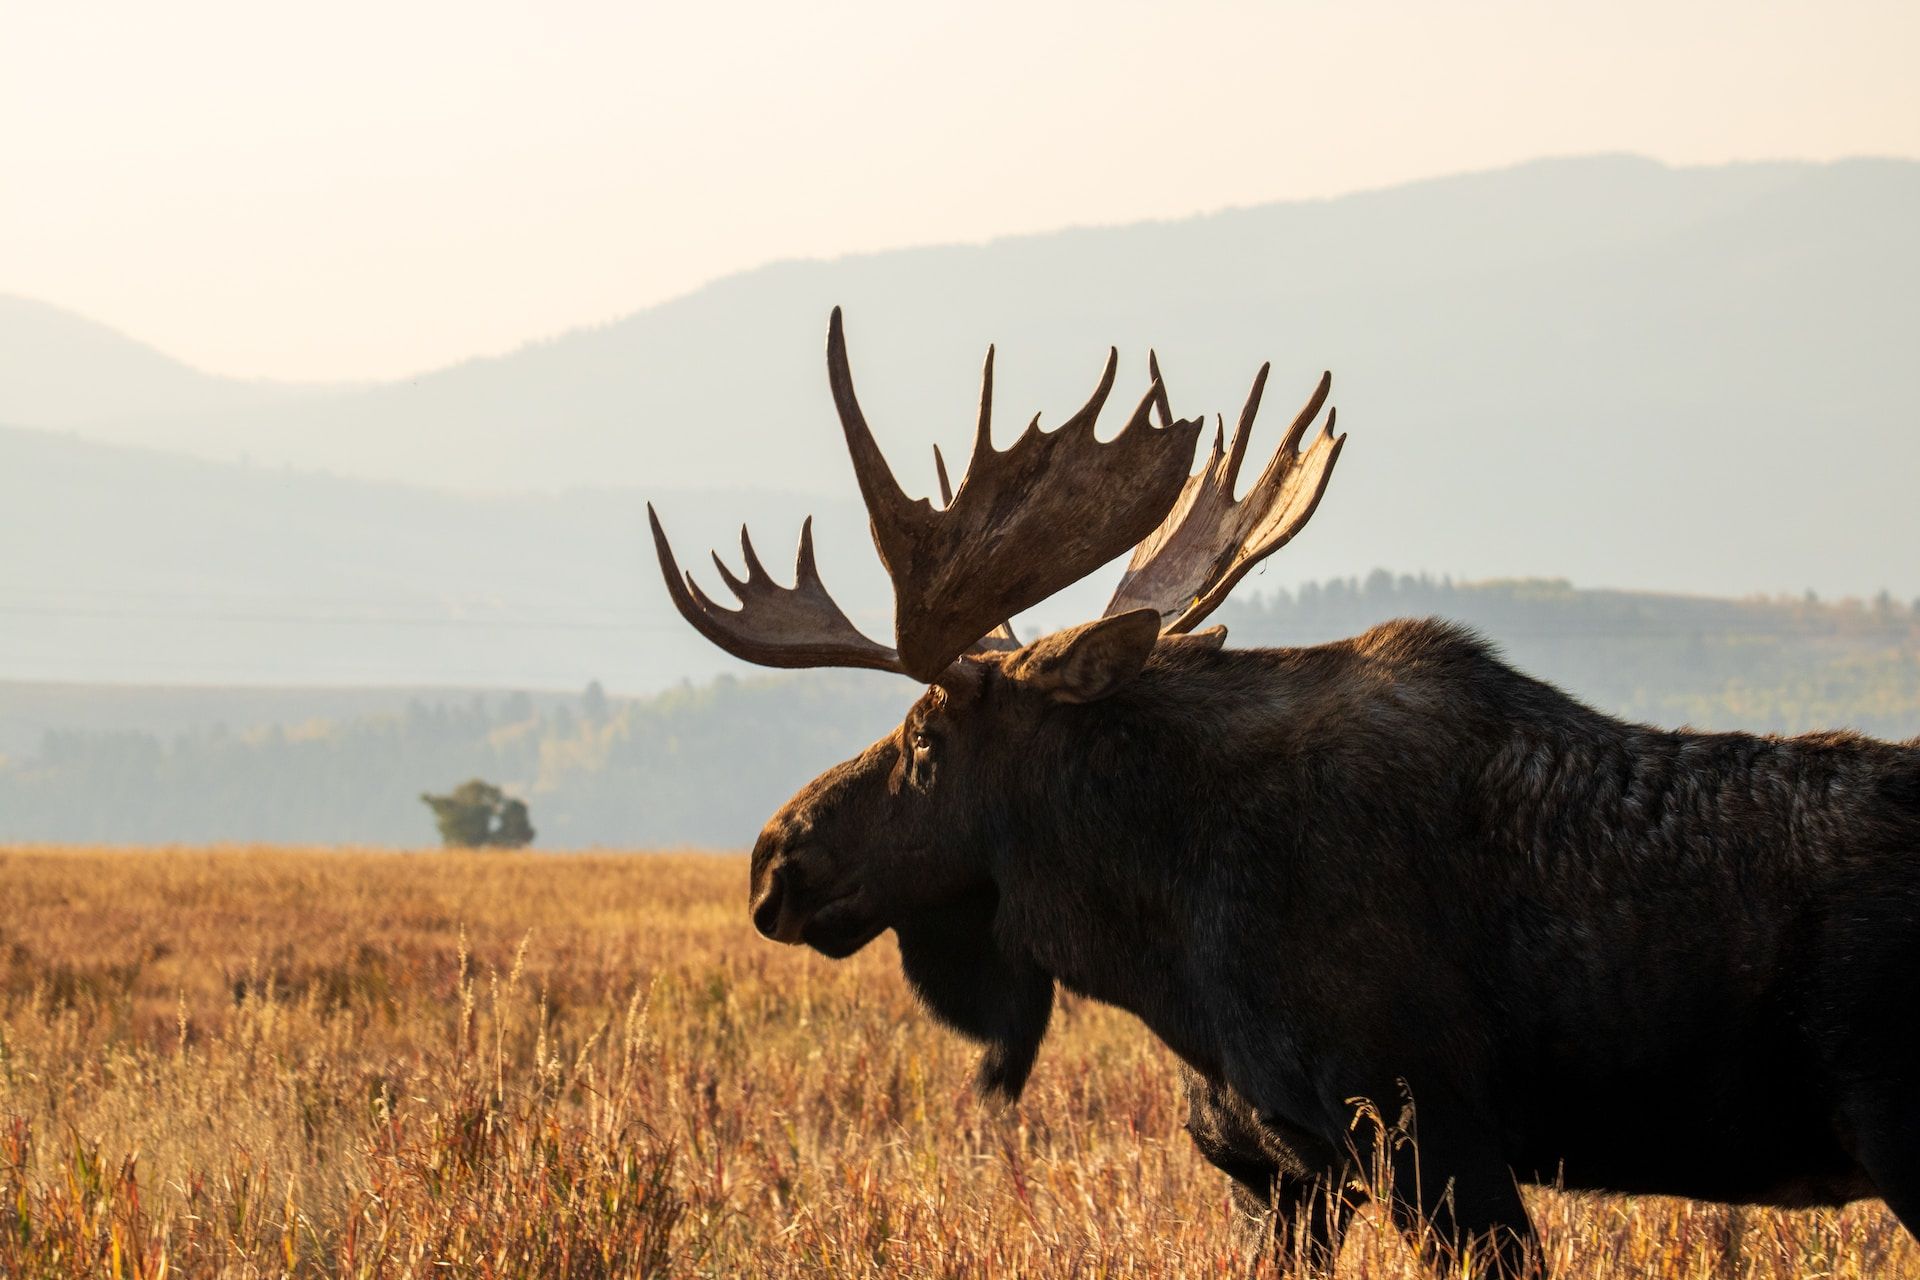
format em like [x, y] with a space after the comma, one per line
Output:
[921, 743]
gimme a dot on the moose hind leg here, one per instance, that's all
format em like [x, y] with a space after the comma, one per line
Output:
[1886, 1128]
[1872, 978]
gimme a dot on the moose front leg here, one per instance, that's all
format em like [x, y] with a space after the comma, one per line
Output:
[1310, 1217]
[1303, 1217]
[1453, 1195]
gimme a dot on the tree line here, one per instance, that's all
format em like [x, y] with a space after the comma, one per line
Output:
[703, 766]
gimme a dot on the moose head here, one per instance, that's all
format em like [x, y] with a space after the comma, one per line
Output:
[911, 834]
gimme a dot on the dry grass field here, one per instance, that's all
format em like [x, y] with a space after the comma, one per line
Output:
[262, 1062]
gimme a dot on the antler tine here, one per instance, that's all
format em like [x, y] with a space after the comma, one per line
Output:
[756, 572]
[1208, 542]
[1297, 431]
[1243, 431]
[1022, 523]
[983, 428]
[1090, 411]
[885, 499]
[940, 470]
[1160, 401]
[775, 626]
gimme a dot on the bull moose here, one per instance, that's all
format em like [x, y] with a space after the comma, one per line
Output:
[1388, 872]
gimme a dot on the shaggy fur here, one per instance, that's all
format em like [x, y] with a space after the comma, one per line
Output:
[1537, 941]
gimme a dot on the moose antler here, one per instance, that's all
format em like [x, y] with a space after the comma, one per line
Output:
[1001, 639]
[1024, 523]
[775, 626]
[1208, 541]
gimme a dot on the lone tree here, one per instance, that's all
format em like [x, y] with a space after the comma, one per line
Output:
[476, 815]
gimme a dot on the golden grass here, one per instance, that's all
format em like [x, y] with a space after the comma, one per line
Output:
[247, 1062]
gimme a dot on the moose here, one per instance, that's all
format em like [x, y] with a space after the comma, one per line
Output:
[1537, 943]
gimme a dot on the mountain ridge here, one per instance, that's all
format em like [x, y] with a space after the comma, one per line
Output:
[60, 369]
[1578, 204]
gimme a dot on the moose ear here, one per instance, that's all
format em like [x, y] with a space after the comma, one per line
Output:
[1088, 662]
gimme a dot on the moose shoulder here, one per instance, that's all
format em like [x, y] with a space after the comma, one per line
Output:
[1541, 943]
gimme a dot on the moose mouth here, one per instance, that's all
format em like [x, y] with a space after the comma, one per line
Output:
[840, 927]
[835, 928]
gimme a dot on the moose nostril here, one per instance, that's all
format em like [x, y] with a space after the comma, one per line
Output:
[766, 912]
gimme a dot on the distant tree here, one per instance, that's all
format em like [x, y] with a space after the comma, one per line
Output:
[477, 814]
[465, 814]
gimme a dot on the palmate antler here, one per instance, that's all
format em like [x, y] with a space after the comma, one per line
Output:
[1185, 568]
[1025, 522]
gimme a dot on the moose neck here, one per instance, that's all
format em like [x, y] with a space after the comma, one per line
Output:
[1128, 817]
[1202, 801]
[995, 996]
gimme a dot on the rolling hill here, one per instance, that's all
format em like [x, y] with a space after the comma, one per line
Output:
[58, 369]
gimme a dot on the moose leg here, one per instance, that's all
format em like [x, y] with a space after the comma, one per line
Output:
[1454, 1194]
[1887, 1145]
[1303, 1216]
[1474, 1215]
[1310, 1217]
[1872, 971]
[1302, 1222]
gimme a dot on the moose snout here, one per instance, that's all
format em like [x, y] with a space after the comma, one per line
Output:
[774, 890]
[767, 906]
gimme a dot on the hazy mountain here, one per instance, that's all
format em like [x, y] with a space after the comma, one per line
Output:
[58, 369]
[123, 565]
[1688, 379]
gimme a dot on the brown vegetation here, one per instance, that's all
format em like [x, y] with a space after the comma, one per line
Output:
[259, 1062]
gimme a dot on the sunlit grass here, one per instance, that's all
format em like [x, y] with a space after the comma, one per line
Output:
[261, 1062]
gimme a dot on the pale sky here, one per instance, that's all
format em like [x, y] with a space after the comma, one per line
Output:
[360, 190]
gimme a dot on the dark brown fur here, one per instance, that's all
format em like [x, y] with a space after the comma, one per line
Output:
[1395, 869]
